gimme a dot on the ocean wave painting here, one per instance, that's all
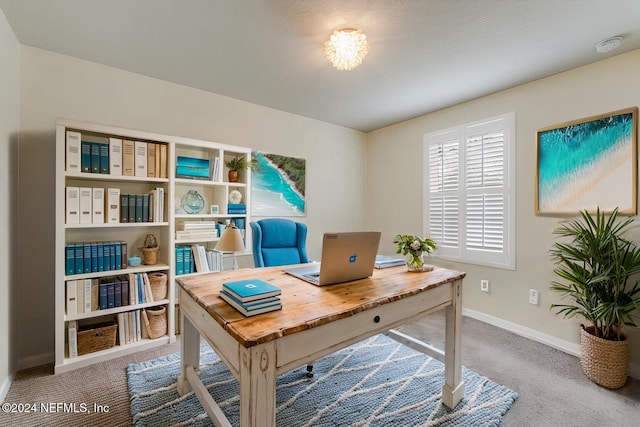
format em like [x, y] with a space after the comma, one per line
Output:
[589, 163]
[277, 188]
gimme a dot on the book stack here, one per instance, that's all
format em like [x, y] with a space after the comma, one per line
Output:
[383, 261]
[252, 296]
[200, 230]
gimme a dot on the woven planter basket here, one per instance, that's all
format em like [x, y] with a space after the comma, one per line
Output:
[158, 282]
[149, 255]
[157, 326]
[605, 362]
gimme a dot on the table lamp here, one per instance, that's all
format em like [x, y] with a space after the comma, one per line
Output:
[231, 241]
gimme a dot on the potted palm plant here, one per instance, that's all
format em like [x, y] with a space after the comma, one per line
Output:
[595, 262]
[238, 163]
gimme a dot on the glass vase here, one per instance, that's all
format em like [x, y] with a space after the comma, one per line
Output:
[416, 262]
[192, 202]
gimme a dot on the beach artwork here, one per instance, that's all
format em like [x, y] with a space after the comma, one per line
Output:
[277, 187]
[587, 164]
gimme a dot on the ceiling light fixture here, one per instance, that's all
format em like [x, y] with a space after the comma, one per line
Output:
[607, 45]
[346, 48]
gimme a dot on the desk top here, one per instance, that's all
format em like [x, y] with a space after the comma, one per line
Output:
[304, 305]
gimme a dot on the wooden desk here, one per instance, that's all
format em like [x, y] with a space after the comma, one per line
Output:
[314, 321]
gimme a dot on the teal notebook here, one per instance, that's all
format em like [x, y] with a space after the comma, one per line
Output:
[251, 289]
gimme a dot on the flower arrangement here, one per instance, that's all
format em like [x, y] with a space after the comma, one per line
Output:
[413, 247]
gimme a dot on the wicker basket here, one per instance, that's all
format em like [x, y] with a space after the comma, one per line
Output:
[150, 255]
[99, 337]
[157, 325]
[604, 362]
[158, 282]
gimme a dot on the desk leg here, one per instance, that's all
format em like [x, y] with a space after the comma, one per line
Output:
[453, 388]
[189, 354]
[258, 385]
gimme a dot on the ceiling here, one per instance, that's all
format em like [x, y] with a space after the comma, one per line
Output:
[425, 55]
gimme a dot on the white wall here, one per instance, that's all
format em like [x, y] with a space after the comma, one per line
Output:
[9, 126]
[56, 86]
[394, 199]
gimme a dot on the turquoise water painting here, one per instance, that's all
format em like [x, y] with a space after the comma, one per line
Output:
[277, 188]
[587, 164]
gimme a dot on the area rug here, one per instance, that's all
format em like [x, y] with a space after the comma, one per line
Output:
[376, 382]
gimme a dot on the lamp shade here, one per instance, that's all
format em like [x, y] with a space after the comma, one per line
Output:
[230, 241]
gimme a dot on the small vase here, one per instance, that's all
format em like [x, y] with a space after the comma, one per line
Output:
[192, 202]
[416, 263]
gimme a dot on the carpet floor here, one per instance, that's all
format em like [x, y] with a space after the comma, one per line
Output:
[377, 382]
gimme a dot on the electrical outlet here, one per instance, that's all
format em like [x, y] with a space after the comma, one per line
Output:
[484, 285]
[534, 296]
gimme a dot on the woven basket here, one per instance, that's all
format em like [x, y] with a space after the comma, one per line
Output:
[150, 255]
[99, 337]
[158, 282]
[157, 325]
[605, 362]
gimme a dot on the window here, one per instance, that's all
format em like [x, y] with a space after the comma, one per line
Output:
[469, 191]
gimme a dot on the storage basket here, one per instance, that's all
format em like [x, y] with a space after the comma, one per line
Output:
[157, 325]
[149, 255]
[97, 337]
[158, 282]
[604, 362]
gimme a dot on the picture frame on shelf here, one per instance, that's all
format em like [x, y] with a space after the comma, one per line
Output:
[215, 210]
[588, 163]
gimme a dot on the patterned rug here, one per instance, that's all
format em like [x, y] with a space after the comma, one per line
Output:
[376, 382]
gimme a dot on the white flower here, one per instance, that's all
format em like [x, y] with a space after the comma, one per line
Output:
[415, 245]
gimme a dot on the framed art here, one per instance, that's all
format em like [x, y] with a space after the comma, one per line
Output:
[588, 163]
[278, 186]
[215, 210]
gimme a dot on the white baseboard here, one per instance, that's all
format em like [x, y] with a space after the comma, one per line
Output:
[32, 362]
[532, 334]
[6, 385]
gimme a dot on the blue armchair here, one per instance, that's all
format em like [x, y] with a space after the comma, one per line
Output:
[279, 241]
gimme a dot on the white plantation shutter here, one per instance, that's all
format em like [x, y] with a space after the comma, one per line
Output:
[444, 178]
[469, 184]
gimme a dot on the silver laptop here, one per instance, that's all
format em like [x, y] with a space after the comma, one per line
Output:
[345, 257]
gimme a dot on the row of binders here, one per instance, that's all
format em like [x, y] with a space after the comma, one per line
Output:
[94, 257]
[252, 296]
[115, 156]
[87, 205]
[87, 295]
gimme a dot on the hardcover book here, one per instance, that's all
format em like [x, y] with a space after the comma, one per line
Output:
[250, 311]
[251, 289]
[141, 158]
[95, 157]
[383, 261]
[73, 205]
[128, 157]
[191, 167]
[73, 152]
[115, 156]
[85, 205]
[98, 206]
[113, 205]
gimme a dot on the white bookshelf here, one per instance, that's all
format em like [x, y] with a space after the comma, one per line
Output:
[213, 191]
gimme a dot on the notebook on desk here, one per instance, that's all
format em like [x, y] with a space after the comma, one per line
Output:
[345, 257]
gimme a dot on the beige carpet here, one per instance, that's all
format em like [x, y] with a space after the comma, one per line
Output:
[552, 389]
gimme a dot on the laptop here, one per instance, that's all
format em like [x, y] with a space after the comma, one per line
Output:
[345, 257]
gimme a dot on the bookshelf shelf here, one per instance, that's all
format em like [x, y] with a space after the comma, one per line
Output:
[111, 311]
[108, 185]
